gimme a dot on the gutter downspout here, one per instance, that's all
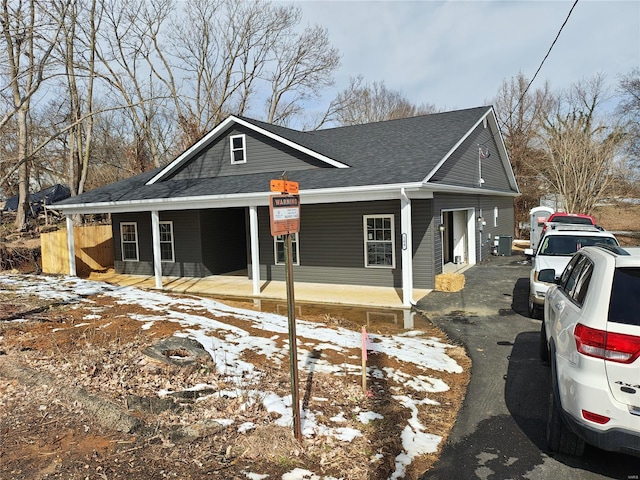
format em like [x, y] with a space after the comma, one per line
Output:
[407, 249]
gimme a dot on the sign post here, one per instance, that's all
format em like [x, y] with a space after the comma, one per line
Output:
[285, 220]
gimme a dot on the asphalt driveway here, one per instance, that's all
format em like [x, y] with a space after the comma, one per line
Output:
[500, 431]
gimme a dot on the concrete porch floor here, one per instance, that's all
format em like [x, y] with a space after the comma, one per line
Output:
[239, 286]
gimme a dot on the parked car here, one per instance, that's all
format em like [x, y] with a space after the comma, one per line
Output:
[563, 218]
[590, 337]
[556, 248]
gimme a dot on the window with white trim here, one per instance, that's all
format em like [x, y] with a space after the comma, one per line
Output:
[279, 242]
[238, 149]
[495, 216]
[166, 242]
[129, 241]
[379, 244]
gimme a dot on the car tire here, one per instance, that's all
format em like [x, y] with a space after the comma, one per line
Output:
[560, 438]
[544, 346]
[533, 309]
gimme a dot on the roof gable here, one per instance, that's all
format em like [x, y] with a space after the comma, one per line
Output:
[245, 125]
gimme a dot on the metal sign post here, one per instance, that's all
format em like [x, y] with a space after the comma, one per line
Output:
[285, 220]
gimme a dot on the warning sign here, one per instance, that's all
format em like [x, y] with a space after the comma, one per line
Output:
[284, 211]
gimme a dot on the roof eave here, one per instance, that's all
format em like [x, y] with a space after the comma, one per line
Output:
[324, 195]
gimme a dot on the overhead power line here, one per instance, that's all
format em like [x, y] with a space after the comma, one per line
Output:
[544, 59]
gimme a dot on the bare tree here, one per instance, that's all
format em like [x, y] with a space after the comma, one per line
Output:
[304, 66]
[29, 38]
[520, 113]
[124, 49]
[581, 147]
[629, 108]
[366, 103]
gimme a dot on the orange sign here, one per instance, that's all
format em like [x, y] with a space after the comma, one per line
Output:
[283, 186]
[284, 211]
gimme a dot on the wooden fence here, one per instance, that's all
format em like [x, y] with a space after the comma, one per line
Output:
[93, 248]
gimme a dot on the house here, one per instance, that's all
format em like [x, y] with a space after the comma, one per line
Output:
[383, 204]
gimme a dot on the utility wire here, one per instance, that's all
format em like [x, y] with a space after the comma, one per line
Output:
[543, 60]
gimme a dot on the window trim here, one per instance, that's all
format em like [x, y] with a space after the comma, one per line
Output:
[173, 249]
[391, 217]
[122, 241]
[294, 241]
[233, 151]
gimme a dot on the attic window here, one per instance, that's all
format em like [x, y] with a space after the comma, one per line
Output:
[238, 149]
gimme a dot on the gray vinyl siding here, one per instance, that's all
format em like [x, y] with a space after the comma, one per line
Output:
[422, 237]
[263, 155]
[463, 167]
[186, 238]
[332, 245]
[483, 203]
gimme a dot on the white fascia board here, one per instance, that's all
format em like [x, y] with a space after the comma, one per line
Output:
[184, 156]
[329, 195]
[291, 144]
[189, 151]
[439, 188]
[504, 155]
[455, 147]
[365, 193]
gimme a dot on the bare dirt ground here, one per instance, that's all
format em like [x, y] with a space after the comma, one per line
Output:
[78, 400]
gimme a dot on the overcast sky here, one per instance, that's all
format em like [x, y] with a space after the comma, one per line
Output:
[456, 54]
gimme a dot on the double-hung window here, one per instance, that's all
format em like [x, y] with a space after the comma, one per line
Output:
[129, 241]
[166, 242]
[279, 249]
[379, 244]
[238, 149]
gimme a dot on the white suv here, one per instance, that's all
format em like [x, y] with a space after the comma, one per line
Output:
[555, 249]
[590, 337]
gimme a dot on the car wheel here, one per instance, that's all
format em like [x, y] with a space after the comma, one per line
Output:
[560, 438]
[544, 347]
[533, 309]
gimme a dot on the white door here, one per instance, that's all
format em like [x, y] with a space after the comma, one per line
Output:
[460, 236]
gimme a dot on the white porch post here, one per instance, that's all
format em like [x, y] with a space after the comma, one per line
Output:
[157, 261]
[255, 249]
[407, 249]
[71, 247]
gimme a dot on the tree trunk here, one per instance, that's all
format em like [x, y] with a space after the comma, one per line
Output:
[23, 174]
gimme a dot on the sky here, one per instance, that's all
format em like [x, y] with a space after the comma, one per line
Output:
[226, 344]
[456, 54]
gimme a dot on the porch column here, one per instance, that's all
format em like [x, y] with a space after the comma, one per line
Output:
[157, 259]
[407, 249]
[71, 247]
[255, 249]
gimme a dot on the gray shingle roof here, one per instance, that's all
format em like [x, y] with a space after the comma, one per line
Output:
[390, 152]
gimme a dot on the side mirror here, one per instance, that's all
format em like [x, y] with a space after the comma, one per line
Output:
[547, 275]
[528, 252]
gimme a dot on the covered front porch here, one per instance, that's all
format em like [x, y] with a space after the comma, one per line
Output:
[239, 286]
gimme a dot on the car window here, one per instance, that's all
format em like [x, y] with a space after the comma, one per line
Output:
[572, 278]
[568, 269]
[625, 301]
[564, 245]
[572, 220]
[582, 284]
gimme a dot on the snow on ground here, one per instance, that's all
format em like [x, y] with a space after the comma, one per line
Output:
[429, 354]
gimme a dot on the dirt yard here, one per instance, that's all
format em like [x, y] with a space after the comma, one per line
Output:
[79, 400]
